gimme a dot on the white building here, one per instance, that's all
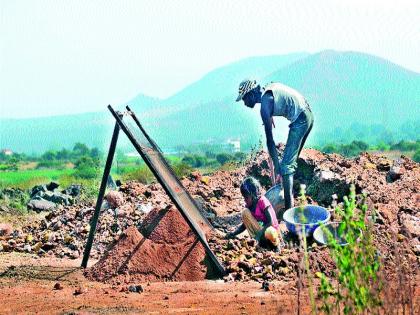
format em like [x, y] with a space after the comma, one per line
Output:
[236, 144]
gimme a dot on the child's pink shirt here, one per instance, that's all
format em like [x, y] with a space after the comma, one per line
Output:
[259, 214]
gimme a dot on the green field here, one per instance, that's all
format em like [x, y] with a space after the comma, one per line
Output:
[28, 178]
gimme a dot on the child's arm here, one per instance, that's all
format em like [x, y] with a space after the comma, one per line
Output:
[269, 218]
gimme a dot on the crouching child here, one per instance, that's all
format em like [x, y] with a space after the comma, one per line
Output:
[259, 218]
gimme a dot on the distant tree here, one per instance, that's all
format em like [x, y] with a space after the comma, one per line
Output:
[362, 146]
[223, 158]
[95, 153]
[239, 156]
[199, 161]
[329, 148]
[63, 154]
[188, 159]
[382, 146]
[86, 167]
[210, 154]
[80, 149]
[416, 156]
[50, 155]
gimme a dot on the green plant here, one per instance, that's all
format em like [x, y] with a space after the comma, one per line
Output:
[87, 168]
[90, 187]
[304, 244]
[357, 287]
[141, 174]
[181, 169]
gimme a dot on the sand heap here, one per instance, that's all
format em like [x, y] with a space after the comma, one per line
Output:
[164, 248]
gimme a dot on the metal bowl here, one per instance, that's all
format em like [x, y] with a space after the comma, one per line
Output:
[307, 220]
[321, 236]
[276, 197]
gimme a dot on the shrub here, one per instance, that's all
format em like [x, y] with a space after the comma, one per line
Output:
[357, 287]
[86, 168]
[141, 174]
[181, 169]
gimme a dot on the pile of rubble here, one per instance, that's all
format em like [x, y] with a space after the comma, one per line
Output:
[63, 230]
[47, 197]
[392, 188]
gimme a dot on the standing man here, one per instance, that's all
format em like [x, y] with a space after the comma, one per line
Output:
[280, 100]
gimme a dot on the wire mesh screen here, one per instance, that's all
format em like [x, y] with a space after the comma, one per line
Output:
[167, 177]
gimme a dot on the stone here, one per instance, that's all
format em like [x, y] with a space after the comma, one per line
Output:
[114, 198]
[80, 290]
[384, 165]
[73, 190]
[410, 225]
[37, 189]
[135, 288]
[395, 173]
[40, 205]
[58, 286]
[5, 229]
[205, 180]
[52, 186]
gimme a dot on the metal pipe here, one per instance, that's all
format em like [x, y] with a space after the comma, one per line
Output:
[94, 220]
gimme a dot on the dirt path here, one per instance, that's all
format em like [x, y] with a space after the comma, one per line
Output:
[28, 287]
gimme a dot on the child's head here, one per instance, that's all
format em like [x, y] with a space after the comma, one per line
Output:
[251, 190]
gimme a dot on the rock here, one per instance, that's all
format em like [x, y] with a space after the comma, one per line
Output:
[36, 189]
[384, 165]
[114, 198]
[27, 248]
[410, 225]
[57, 197]
[5, 229]
[145, 208]
[40, 205]
[74, 254]
[324, 175]
[369, 166]
[80, 290]
[205, 180]
[395, 173]
[246, 266]
[219, 193]
[73, 190]
[135, 288]
[58, 286]
[195, 175]
[52, 186]
[57, 226]
[267, 286]
[29, 238]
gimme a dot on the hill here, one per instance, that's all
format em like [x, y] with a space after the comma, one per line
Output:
[353, 96]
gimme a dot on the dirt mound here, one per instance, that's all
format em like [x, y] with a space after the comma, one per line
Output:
[392, 187]
[165, 249]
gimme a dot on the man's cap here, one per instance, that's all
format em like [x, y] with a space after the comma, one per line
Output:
[244, 87]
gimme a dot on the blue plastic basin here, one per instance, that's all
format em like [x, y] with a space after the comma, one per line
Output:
[308, 219]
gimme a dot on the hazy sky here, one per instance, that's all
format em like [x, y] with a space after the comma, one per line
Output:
[60, 57]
